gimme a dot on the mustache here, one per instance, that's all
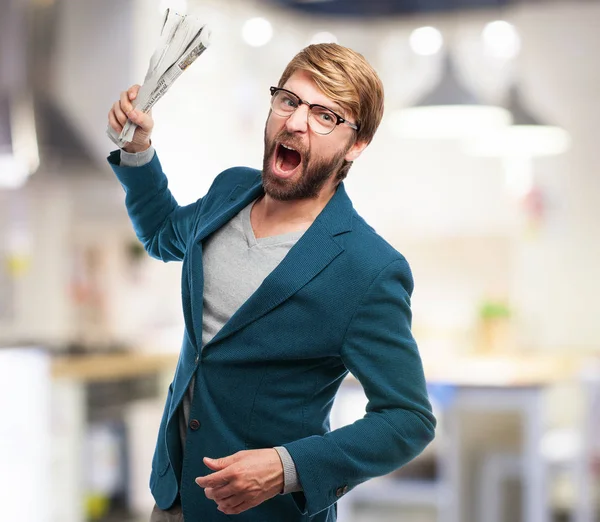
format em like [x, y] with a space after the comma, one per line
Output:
[289, 139]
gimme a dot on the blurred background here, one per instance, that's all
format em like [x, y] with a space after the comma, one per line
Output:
[489, 141]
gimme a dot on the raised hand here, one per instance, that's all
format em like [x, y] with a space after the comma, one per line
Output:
[122, 110]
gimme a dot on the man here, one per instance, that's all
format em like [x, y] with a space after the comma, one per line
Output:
[285, 289]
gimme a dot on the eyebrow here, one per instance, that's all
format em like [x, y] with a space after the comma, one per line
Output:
[334, 106]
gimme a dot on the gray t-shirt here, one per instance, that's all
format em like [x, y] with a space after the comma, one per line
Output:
[235, 264]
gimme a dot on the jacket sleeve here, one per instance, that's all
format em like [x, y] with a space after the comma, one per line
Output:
[381, 353]
[162, 226]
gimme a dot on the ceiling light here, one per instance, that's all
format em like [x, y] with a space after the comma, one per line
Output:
[449, 111]
[18, 142]
[519, 143]
[13, 172]
[527, 136]
[501, 40]
[426, 41]
[257, 32]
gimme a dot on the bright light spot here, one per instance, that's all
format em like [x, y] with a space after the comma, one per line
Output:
[179, 6]
[323, 37]
[501, 40]
[561, 445]
[257, 32]
[521, 140]
[13, 172]
[449, 122]
[426, 41]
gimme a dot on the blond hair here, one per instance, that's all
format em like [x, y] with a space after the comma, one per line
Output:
[347, 78]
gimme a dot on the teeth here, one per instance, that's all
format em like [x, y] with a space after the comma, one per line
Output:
[286, 147]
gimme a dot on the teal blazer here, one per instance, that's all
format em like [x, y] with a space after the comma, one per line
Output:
[338, 302]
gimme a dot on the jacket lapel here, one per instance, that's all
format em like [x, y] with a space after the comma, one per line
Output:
[239, 197]
[316, 249]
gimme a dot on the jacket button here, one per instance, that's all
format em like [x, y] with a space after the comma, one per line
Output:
[194, 424]
[339, 492]
[345, 490]
[197, 359]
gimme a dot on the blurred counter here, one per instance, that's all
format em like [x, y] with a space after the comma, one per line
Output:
[513, 370]
[108, 367]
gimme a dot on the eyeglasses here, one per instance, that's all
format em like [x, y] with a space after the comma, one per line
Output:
[320, 119]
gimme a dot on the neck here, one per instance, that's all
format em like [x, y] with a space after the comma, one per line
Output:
[271, 216]
[296, 210]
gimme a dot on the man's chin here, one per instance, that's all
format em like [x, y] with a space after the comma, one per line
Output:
[278, 188]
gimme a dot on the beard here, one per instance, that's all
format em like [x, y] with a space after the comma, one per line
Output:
[314, 173]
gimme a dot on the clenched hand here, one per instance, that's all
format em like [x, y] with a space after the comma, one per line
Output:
[123, 110]
[243, 480]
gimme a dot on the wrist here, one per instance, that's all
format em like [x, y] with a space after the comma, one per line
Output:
[281, 472]
[291, 480]
[134, 148]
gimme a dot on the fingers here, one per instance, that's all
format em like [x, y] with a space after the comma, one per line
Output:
[234, 509]
[142, 120]
[114, 124]
[219, 494]
[229, 500]
[214, 480]
[119, 114]
[125, 103]
[132, 92]
[123, 110]
[126, 98]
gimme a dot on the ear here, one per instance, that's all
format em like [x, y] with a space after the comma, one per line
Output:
[356, 150]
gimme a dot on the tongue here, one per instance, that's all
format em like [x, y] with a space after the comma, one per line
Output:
[290, 159]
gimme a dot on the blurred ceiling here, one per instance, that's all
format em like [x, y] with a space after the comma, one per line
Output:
[27, 37]
[367, 8]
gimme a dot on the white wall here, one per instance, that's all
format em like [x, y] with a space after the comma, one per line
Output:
[557, 275]
[24, 452]
[40, 216]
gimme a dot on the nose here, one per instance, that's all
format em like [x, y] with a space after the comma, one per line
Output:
[298, 120]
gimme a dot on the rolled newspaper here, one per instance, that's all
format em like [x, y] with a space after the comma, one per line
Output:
[182, 39]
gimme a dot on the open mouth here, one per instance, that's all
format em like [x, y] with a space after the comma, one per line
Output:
[287, 160]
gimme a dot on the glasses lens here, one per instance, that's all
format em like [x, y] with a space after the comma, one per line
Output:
[322, 120]
[284, 103]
